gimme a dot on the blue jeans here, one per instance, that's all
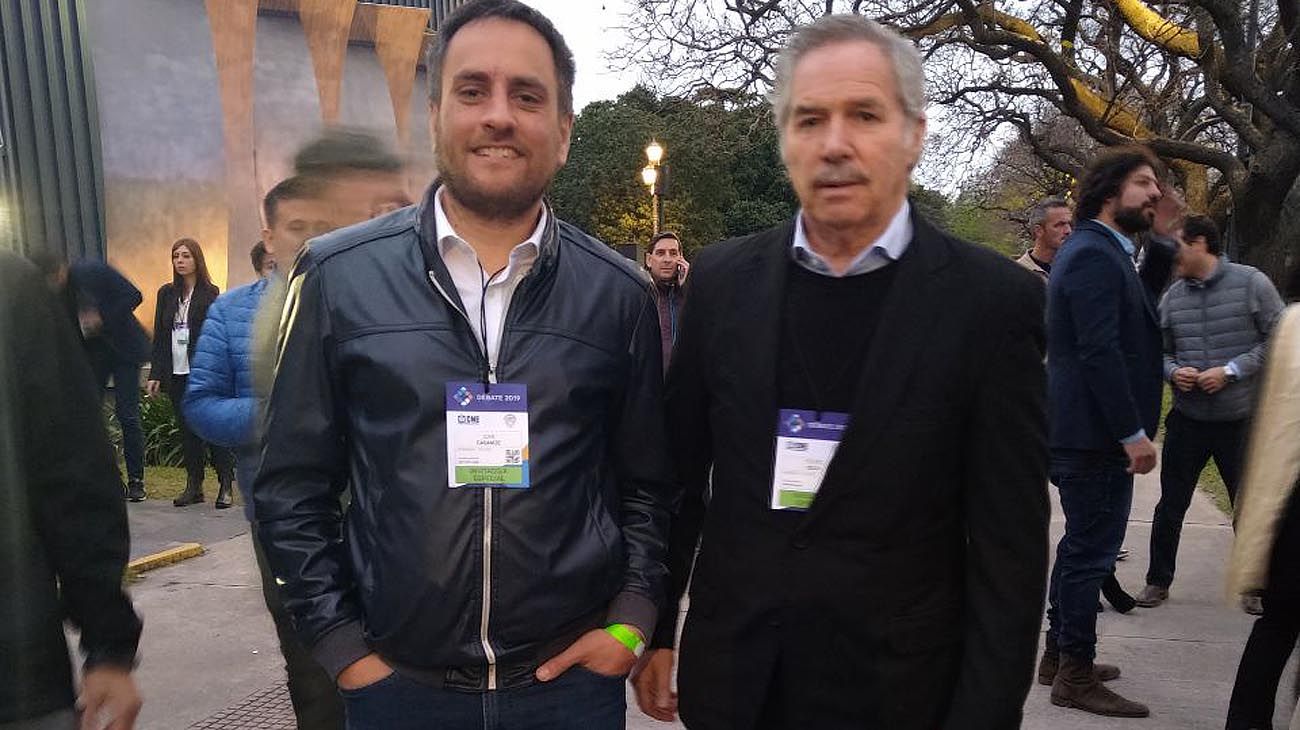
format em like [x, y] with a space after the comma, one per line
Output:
[577, 700]
[1096, 496]
[126, 397]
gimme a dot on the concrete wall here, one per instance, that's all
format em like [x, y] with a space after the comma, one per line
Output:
[160, 125]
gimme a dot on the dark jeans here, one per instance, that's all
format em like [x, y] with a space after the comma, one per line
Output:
[1274, 634]
[315, 697]
[1189, 445]
[126, 406]
[577, 700]
[1096, 495]
[223, 460]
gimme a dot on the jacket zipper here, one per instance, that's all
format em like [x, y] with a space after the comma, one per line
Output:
[490, 376]
[488, 652]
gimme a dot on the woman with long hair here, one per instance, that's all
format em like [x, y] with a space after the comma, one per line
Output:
[182, 306]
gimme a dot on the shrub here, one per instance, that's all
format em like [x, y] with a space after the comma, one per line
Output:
[162, 435]
[163, 445]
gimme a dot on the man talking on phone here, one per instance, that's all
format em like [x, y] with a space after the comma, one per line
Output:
[668, 269]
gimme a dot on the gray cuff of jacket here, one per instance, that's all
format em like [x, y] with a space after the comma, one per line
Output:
[341, 647]
[634, 610]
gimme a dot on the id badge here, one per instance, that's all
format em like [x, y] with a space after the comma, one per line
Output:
[805, 444]
[487, 435]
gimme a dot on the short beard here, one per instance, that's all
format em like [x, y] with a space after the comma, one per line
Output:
[509, 206]
[1132, 220]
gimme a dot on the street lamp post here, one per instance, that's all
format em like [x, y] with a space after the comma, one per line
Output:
[654, 153]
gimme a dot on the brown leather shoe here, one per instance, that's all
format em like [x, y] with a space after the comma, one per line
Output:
[1152, 596]
[1077, 686]
[1048, 665]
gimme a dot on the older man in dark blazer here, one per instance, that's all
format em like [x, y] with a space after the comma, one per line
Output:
[1104, 375]
[867, 394]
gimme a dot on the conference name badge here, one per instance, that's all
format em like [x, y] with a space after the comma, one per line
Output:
[487, 435]
[805, 444]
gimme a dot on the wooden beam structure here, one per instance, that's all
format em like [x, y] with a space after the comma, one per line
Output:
[233, 24]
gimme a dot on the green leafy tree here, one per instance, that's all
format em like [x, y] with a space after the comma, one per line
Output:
[722, 167]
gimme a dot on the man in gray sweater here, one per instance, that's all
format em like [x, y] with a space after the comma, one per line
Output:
[1215, 320]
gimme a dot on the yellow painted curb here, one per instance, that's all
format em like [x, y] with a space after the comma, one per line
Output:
[166, 557]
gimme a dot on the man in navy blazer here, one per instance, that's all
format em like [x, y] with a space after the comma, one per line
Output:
[1104, 381]
[101, 302]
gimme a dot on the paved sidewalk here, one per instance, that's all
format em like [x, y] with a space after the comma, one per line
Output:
[1181, 658]
[209, 649]
[156, 525]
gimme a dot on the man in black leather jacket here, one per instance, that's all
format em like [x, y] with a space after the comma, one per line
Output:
[519, 581]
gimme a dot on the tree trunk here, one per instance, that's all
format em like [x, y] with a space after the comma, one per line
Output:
[1265, 225]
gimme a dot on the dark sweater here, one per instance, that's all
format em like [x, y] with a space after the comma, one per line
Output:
[826, 329]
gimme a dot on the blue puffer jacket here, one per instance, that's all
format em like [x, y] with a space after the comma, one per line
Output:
[220, 401]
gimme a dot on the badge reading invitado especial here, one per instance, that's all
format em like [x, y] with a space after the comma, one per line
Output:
[487, 435]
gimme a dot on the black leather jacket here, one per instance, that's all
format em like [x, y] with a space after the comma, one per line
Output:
[474, 587]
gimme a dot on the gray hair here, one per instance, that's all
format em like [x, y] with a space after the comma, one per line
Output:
[1038, 214]
[828, 30]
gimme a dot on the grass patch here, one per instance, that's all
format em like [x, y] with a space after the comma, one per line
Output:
[1212, 484]
[1210, 480]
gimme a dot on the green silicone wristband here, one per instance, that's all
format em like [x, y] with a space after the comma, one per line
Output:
[627, 637]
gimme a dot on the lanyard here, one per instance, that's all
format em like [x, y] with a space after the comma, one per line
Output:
[486, 281]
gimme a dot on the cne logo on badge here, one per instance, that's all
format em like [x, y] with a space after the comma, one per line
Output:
[805, 444]
[487, 435]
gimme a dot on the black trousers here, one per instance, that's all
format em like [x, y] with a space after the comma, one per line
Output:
[1189, 446]
[316, 701]
[223, 460]
[1274, 634]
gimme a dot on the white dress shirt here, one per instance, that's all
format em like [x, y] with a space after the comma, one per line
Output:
[485, 294]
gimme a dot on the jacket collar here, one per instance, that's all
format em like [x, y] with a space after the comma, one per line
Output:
[426, 229]
[1108, 234]
[1220, 268]
[1119, 239]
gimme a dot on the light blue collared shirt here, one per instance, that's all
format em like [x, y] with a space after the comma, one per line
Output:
[884, 251]
[1124, 241]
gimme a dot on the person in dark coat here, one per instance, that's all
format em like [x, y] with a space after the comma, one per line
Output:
[857, 411]
[1104, 385]
[182, 306]
[65, 544]
[101, 302]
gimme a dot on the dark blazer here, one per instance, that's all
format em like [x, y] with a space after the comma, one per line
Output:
[1104, 350]
[160, 366]
[910, 594]
[96, 285]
